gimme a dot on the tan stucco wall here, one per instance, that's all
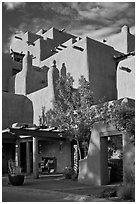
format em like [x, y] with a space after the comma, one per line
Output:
[102, 70]
[76, 63]
[30, 79]
[41, 98]
[43, 43]
[94, 169]
[15, 108]
[51, 149]
[95, 62]
[30, 82]
[7, 66]
[101, 73]
[44, 97]
[123, 41]
[126, 80]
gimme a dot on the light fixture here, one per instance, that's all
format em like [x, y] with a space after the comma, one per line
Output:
[60, 145]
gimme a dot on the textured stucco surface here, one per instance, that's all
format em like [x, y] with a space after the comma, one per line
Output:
[74, 59]
[44, 97]
[102, 70]
[30, 79]
[77, 56]
[94, 169]
[126, 80]
[34, 87]
[123, 41]
[7, 66]
[16, 108]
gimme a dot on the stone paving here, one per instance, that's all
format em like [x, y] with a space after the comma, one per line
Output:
[51, 189]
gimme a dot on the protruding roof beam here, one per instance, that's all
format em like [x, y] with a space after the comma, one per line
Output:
[78, 48]
[123, 56]
[19, 38]
[62, 30]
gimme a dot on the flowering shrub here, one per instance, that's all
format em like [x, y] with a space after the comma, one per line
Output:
[127, 192]
[68, 172]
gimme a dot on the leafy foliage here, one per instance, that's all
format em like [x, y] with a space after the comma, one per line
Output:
[127, 192]
[71, 112]
[120, 114]
[68, 172]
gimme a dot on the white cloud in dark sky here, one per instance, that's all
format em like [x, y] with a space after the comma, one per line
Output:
[13, 5]
[94, 19]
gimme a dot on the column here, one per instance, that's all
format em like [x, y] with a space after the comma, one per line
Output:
[90, 168]
[94, 169]
[17, 153]
[35, 157]
[28, 157]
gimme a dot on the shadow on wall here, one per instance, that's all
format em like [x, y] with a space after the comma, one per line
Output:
[102, 72]
[55, 75]
[89, 172]
[93, 170]
[8, 65]
[16, 108]
[36, 79]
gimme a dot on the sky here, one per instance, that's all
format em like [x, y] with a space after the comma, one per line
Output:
[93, 19]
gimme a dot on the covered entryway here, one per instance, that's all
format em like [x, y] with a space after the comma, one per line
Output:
[94, 169]
[33, 146]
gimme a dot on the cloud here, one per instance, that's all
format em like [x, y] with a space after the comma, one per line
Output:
[97, 34]
[62, 8]
[13, 5]
[102, 33]
[101, 19]
[103, 11]
[12, 39]
[93, 19]
[32, 25]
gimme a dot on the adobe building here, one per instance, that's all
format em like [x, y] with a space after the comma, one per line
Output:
[29, 78]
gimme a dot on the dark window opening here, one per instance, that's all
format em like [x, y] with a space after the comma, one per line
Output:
[15, 71]
[18, 57]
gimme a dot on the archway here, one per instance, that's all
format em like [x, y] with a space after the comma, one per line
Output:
[94, 169]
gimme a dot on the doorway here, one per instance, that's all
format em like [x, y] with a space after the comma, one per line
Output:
[23, 156]
[115, 158]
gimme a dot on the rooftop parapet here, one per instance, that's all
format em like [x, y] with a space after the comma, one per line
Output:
[123, 41]
[125, 29]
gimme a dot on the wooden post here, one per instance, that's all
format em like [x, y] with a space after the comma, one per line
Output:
[35, 157]
[28, 157]
[17, 153]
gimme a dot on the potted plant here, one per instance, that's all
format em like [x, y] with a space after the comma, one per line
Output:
[14, 174]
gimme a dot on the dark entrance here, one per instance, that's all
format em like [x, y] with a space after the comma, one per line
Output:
[115, 158]
[23, 161]
[8, 152]
[23, 156]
